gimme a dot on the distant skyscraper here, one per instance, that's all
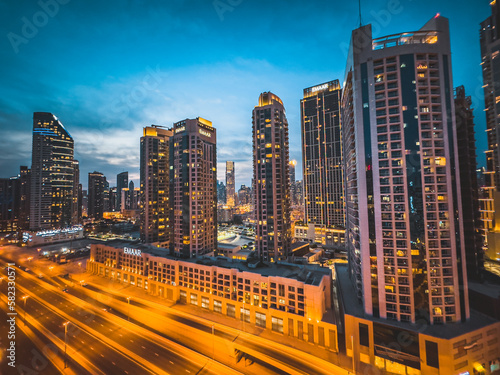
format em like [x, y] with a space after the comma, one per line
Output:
[403, 216]
[292, 165]
[322, 155]
[25, 196]
[121, 182]
[75, 211]
[221, 192]
[9, 204]
[466, 142]
[96, 195]
[244, 195]
[193, 187]
[155, 189]
[52, 173]
[230, 184]
[490, 63]
[131, 198]
[270, 179]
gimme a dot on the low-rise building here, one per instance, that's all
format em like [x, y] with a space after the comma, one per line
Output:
[282, 297]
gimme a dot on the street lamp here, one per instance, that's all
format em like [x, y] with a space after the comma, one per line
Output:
[65, 342]
[128, 312]
[25, 298]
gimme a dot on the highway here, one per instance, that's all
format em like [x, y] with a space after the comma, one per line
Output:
[137, 336]
[96, 334]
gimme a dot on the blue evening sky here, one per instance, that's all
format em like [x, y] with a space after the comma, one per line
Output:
[109, 68]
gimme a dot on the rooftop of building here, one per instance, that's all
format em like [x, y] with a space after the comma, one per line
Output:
[486, 288]
[352, 306]
[309, 274]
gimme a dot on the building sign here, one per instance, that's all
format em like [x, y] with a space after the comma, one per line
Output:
[128, 250]
[320, 87]
[180, 129]
[205, 133]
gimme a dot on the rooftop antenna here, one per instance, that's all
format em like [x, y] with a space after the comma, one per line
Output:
[360, 20]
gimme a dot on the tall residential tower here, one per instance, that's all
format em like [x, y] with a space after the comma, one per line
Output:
[155, 189]
[270, 179]
[403, 200]
[193, 187]
[322, 153]
[52, 174]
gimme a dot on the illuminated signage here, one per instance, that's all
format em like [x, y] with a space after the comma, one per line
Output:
[128, 250]
[181, 129]
[320, 87]
[421, 66]
[205, 133]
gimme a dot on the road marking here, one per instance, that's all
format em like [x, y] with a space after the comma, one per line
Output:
[188, 371]
[91, 348]
[83, 342]
[113, 363]
[143, 347]
[171, 362]
[102, 355]
[74, 336]
[156, 354]
[102, 325]
[122, 335]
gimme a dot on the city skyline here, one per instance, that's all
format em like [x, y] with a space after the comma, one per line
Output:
[95, 98]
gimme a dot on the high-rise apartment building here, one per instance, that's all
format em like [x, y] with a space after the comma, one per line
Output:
[472, 224]
[271, 186]
[230, 184]
[322, 154]
[404, 219]
[52, 174]
[96, 195]
[490, 198]
[24, 197]
[193, 187]
[155, 189]
[121, 183]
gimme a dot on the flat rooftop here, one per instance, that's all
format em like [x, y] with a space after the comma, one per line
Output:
[353, 307]
[309, 274]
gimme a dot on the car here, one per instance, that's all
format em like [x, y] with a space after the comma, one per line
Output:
[40, 276]
[65, 290]
[85, 284]
[27, 269]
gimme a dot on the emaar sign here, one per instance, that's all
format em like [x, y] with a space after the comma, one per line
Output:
[128, 250]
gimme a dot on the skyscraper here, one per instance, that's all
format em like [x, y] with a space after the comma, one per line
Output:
[96, 195]
[292, 165]
[322, 153]
[270, 179]
[221, 193]
[472, 226]
[490, 62]
[52, 173]
[24, 196]
[230, 184]
[121, 182]
[403, 202]
[155, 189]
[193, 187]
